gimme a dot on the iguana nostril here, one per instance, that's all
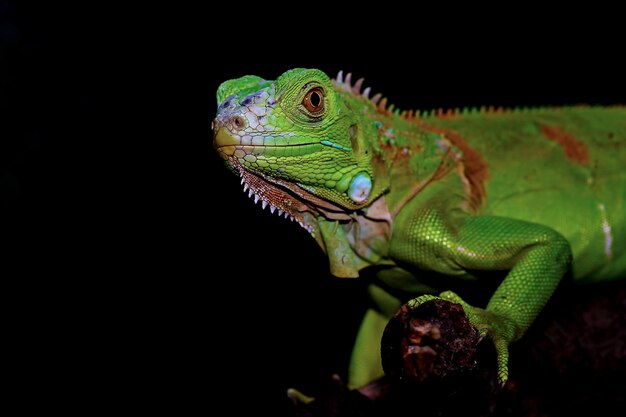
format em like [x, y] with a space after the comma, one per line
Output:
[238, 122]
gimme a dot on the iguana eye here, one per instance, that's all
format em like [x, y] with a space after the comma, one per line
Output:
[314, 100]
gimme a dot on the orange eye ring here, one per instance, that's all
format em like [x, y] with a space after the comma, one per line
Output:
[314, 100]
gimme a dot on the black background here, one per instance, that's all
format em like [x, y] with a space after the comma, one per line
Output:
[145, 273]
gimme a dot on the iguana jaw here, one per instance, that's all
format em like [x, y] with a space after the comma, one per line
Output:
[288, 198]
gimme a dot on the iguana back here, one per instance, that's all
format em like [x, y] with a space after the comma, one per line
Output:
[561, 167]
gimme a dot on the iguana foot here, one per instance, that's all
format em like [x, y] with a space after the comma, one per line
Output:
[489, 324]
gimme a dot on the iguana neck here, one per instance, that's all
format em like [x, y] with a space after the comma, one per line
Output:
[405, 158]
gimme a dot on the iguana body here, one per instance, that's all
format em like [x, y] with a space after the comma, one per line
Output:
[510, 198]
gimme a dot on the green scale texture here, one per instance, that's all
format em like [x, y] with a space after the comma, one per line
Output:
[434, 200]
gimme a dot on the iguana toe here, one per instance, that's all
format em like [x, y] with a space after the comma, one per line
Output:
[299, 398]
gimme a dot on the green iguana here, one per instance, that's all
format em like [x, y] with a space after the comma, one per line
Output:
[434, 198]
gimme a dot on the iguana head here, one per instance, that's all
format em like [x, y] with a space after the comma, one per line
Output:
[297, 143]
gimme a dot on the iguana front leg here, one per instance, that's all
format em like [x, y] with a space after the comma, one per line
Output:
[535, 256]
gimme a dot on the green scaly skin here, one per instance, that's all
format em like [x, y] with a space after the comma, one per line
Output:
[433, 200]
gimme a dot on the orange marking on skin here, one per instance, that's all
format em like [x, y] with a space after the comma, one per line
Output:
[575, 150]
[475, 168]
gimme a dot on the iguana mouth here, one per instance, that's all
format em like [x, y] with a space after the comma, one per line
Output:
[225, 148]
[228, 143]
[288, 198]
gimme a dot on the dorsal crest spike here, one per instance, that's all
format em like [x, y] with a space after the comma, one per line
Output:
[366, 92]
[357, 86]
[382, 106]
[348, 80]
[449, 113]
[340, 77]
[376, 98]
